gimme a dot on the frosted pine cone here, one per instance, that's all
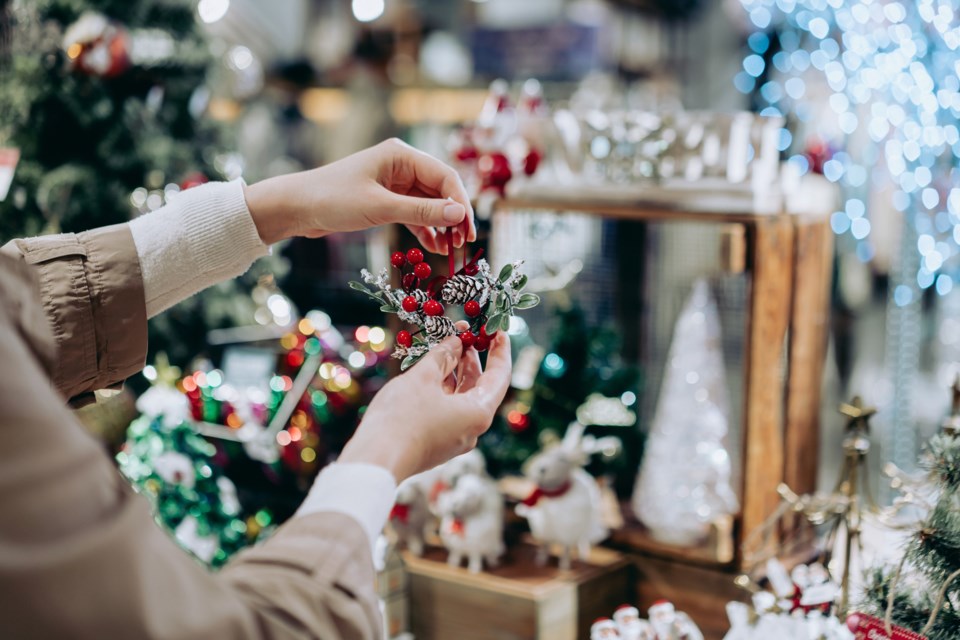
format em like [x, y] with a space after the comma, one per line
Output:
[438, 327]
[460, 289]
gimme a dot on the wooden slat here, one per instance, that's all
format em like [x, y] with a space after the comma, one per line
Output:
[763, 447]
[637, 211]
[810, 322]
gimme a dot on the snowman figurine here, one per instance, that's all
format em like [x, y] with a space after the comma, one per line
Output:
[604, 629]
[630, 625]
[670, 624]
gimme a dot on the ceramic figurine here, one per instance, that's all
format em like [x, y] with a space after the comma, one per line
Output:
[604, 629]
[670, 624]
[410, 515]
[564, 509]
[630, 625]
[471, 522]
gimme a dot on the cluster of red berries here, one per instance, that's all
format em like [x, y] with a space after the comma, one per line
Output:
[430, 307]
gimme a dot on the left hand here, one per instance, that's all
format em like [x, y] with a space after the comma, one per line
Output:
[390, 182]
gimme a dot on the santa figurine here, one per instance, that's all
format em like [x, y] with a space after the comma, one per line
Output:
[670, 624]
[604, 629]
[630, 625]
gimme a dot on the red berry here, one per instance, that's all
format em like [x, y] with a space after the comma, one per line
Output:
[414, 256]
[472, 308]
[409, 281]
[422, 270]
[481, 343]
[432, 308]
[484, 334]
[404, 339]
[398, 259]
[471, 269]
[410, 304]
[467, 338]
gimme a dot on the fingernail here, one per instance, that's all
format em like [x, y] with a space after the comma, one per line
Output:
[453, 212]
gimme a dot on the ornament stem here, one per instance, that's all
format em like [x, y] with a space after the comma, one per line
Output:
[450, 259]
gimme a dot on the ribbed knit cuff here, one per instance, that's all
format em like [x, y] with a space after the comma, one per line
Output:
[365, 492]
[203, 236]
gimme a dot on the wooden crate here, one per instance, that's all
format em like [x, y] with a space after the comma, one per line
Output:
[517, 601]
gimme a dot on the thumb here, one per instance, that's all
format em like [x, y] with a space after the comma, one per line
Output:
[442, 360]
[427, 212]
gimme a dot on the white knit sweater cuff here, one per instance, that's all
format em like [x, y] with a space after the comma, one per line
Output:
[364, 492]
[203, 236]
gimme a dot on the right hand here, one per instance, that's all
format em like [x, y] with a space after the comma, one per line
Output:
[434, 411]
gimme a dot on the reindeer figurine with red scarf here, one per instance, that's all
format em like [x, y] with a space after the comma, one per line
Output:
[410, 515]
[564, 509]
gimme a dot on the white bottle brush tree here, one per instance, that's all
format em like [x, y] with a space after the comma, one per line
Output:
[684, 481]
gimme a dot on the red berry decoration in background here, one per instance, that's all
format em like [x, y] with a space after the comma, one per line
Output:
[494, 172]
[398, 259]
[414, 256]
[481, 343]
[472, 308]
[532, 161]
[404, 339]
[409, 281]
[430, 307]
[467, 339]
[410, 304]
[192, 180]
[422, 270]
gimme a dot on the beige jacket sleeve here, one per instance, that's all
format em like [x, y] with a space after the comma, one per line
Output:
[80, 555]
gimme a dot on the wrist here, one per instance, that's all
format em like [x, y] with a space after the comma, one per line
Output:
[270, 218]
[387, 457]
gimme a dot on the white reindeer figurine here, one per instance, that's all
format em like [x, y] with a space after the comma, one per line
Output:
[564, 509]
[471, 522]
[410, 515]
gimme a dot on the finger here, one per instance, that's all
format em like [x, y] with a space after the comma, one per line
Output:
[450, 383]
[426, 212]
[493, 383]
[427, 237]
[469, 371]
[431, 175]
[441, 360]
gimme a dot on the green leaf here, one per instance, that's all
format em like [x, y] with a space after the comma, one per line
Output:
[503, 302]
[505, 273]
[409, 361]
[521, 283]
[528, 301]
[493, 322]
[388, 308]
[358, 286]
[505, 322]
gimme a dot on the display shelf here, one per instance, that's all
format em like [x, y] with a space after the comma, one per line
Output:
[518, 599]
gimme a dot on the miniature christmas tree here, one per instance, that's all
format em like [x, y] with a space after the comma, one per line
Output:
[684, 481]
[923, 593]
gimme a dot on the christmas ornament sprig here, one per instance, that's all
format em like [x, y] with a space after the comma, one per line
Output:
[487, 302]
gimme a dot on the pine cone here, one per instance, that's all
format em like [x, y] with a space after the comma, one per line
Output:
[438, 327]
[459, 289]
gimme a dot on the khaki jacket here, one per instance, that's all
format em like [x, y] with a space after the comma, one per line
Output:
[80, 554]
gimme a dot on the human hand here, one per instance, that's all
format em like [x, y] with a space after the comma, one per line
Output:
[434, 411]
[390, 182]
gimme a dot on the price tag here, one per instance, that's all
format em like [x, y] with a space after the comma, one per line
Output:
[9, 157]
[865, 627]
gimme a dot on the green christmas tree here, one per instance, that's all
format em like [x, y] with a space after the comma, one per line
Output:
[926, 587]
[582, 362]
[106, 103]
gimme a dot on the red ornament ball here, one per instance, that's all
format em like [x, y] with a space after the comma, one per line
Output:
[398, 259]
[482, 343]
[409, 280]
[467, 339]
[472, 308]
[432, 308]
[410, 304]
[422, 270]
[414, 256]
[404, 339]
[488, 336]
